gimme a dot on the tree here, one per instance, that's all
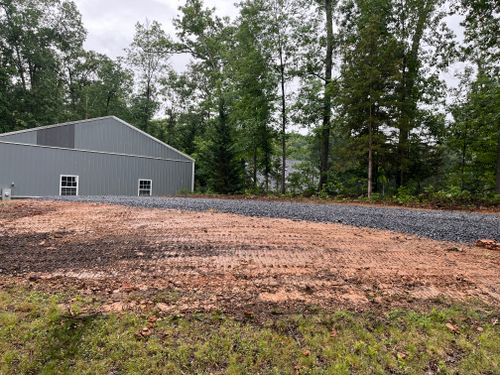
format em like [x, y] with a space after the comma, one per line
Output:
[482, 32]
[473, 135]
[418, 24]
[280, 18]
[316, 45]
[32, 57]
[207, 39]
[369, 67]
[253, 85]
[98, 86]
[482, 46]
[148, 56]
[327, 95]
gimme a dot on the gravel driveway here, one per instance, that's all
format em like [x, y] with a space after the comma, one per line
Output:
[440, 225]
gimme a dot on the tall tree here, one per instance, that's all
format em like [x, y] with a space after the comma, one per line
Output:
[482, 32]
[98, 86]
[369, 67]
[254, 83]
[148, 55]
[182, 103]
[207, 39]
[473, 134]
[327, 95]
[422, 34]
[281, 16]
[316, 45]
[482, 47]
[32, 57]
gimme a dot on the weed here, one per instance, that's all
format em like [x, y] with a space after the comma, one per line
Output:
[38, 336]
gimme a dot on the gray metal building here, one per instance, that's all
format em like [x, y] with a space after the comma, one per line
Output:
[102, 156]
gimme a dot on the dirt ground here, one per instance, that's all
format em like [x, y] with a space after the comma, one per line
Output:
[131, 258]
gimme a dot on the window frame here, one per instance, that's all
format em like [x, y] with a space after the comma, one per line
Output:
[139, 187]
[77, 179]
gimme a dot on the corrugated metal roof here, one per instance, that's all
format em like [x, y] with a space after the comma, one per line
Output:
[97, 119]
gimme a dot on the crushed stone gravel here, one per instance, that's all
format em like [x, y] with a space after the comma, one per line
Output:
[457, 226]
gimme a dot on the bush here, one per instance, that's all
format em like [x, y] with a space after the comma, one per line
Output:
[405, 195]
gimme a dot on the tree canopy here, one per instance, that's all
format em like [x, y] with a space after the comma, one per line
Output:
[361, 80]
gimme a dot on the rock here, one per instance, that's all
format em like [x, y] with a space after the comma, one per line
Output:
[145, 332]
[163, 307]
[113, 307]
[488, 244]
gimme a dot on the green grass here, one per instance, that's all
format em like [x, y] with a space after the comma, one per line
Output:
[39, 337]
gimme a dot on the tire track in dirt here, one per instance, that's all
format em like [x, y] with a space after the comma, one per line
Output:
[192, 260]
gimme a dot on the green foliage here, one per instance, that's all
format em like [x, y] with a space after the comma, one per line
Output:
[38, 336]
[99, 87]
[474, 134]
[33, 58]
[303, 180]
[253, 86]
[405, 195]
[482, 20]
[382, 116]
[148, 55]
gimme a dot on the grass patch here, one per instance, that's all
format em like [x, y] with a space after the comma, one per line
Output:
[38, 336]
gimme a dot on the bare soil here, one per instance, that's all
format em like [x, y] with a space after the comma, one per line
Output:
[175, 261]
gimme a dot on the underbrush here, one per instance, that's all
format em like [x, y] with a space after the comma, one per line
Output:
[442, 199]
[37, 335]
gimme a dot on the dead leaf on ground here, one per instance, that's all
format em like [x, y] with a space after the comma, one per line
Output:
[452, 327]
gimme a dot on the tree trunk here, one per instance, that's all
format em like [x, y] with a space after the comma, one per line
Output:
[254, 167]
[464, 153]
[370, 153]
[147, 109]
[370, 168]
[267, 168]
[283, 122]
[223, 168]
[86, 105]
[497, 187]
[19, 62]
[170, 126]
[410, 68]
[108, 101]
[327, 100]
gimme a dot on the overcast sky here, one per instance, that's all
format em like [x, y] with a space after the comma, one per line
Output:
[110, 23]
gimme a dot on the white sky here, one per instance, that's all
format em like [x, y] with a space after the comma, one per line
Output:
[111, 23]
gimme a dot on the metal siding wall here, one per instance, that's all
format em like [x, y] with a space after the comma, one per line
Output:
[27, 137]
[36, 170]
[111, 135]
[59, 136]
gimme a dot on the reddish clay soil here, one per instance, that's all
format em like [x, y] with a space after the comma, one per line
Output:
[177, 261]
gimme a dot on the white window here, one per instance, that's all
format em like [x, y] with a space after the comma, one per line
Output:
[68, 185]
[145, 188]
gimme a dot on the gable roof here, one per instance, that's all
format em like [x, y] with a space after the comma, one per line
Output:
[96, 119]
